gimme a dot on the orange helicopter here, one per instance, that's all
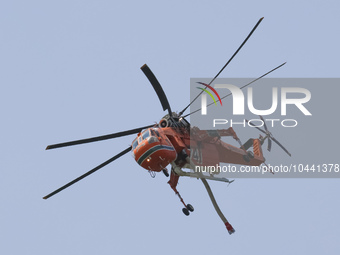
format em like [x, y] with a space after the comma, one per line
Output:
[174, 142]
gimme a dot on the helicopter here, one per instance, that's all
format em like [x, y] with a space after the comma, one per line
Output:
[174, 142]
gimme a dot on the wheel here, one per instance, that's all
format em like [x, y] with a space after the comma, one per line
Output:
[165, 172]
[190, 207]
[186, 211]
[246, 158]
[250, 154]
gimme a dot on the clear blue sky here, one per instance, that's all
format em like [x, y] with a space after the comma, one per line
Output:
[70, 70]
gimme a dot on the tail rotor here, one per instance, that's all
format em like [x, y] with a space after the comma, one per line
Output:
[269, 136]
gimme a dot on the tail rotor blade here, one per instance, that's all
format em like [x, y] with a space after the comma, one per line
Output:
[269, 144]
[256, 127]
[270, 138]
[279, 144]
[87, 173]
[264, 123]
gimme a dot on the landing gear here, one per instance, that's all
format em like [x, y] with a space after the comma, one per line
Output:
[173, 183]
[188, 209]
[165, 172]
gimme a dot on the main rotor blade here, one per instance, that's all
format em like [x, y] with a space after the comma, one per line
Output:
[88, 173]
[239, 48]
[157, 87]
[258, 78]
[98, 138]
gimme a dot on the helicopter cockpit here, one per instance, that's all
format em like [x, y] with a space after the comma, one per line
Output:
[149, 135]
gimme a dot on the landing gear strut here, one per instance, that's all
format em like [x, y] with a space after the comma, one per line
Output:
[173, 183]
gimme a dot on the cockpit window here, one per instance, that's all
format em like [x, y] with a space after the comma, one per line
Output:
[152, 132]
[134, 144]
[156, 132]
[146, 134]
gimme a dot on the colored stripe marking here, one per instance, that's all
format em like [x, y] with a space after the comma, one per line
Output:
[210, 87]
[208, 93]
[151, 151]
